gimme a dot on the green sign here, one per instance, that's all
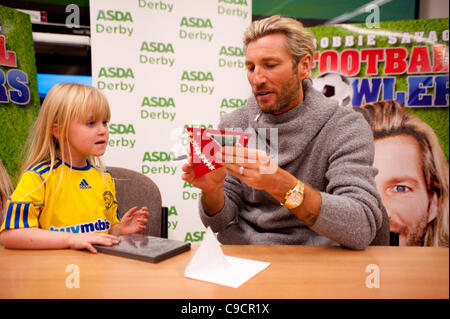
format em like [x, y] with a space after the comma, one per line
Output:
[19, 97]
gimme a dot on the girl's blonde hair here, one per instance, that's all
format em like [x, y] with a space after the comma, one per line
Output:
[6, 189]
[390, 118]
[64, 103]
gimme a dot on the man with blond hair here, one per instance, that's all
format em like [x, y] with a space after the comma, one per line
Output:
[321, 191]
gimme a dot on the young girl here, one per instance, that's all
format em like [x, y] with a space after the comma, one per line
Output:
[65, 198]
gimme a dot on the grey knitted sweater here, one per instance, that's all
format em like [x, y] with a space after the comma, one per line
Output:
[324, 145]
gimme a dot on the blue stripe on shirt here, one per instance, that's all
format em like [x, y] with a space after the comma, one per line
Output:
[25, 215]
[17, 216]
[8, 216]
[48, 168]
[32, 168]
[44, 170]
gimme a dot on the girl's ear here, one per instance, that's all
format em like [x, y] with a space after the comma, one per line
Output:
[55, 130]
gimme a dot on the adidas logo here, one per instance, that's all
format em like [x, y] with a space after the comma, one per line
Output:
[84, 185]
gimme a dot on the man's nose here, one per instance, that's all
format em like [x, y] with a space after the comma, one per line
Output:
[258, 77]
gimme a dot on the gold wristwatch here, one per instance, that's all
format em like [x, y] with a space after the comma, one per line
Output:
[294, 197]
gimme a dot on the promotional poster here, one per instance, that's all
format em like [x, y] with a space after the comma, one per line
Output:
[404, 61]
[19, 98]
[396, 76]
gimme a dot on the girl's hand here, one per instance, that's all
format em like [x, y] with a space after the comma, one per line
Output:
[134, 221]
[85, 241]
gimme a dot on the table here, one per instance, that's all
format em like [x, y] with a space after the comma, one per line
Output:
[295, 272]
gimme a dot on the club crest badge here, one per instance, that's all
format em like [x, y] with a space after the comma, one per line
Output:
[108, 198]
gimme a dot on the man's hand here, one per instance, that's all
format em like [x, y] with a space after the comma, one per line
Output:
[211, 185]
[256, 169]
[252, 166]
[209, 182]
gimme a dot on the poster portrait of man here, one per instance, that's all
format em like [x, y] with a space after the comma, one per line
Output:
[413, 174]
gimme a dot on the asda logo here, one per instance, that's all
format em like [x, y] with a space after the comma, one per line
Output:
[197, 88]
[188, 185]
[204, 126]
[113, 15]
[172, 211]
[238, 10]
[156, 5]
[232, 103]
[197, 76]
[158, 157]
[115, 128]
[158, 101]
[172, 224]
[187, 194]
[159, 47]
[155, 168]
[231, 57]
[231, 51]
[199, 29]
[193, 22]
[122, 141]
[194, 236]
[240, 2]
[115, 72]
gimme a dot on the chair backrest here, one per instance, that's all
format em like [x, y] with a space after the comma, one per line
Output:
[136, 189]
[382, 237]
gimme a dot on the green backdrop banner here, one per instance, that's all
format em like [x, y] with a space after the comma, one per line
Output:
[19, 97]
[328, 10]
[405, 61]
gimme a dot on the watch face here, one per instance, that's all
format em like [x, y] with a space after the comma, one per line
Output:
[295, 198]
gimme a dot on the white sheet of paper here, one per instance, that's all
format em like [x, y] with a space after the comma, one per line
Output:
[210, 264]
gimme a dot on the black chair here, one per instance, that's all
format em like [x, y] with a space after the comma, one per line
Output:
[394, 239]
[136, 189]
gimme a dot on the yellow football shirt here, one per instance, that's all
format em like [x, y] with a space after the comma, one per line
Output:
[79, 201]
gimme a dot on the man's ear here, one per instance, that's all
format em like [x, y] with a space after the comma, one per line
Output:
[304, 66]
[433, 208]
[55, 130]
